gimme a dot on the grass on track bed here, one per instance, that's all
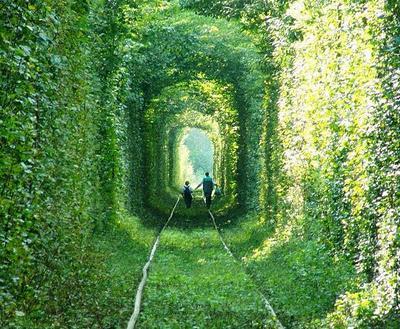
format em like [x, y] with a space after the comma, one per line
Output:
[194, 283]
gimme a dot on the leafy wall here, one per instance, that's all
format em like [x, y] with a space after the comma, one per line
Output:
[60, 160]
[332, 93]
[329, 166]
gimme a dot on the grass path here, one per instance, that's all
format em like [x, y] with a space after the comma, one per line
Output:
[194, 283]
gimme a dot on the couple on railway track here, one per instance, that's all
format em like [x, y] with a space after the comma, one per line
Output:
[208, 187]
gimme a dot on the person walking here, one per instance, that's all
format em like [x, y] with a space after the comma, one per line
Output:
[187, 194]
[208, 187]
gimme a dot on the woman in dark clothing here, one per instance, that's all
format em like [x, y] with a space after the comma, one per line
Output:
[187, 194]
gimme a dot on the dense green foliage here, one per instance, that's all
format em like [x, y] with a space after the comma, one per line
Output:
[48, 143]
[60, 167]
[301, 100]
[336, 65]
[332, 100]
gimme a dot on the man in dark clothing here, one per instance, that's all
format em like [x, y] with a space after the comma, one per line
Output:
[208, 187]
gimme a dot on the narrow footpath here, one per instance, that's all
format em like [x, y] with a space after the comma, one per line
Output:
[194, 283]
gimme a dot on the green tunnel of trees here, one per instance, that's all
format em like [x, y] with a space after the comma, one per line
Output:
[301, 100]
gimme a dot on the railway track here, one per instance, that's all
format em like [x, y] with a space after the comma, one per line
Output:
[145, 273]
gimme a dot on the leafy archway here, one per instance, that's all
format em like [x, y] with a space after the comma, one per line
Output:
[202, 104]
[190, 61]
